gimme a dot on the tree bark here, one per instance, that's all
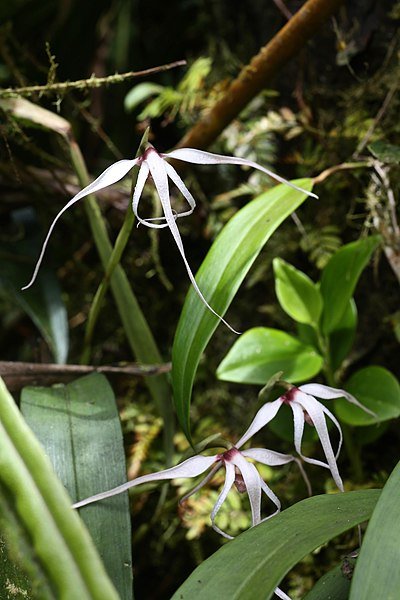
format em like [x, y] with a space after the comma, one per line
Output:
[254, 77]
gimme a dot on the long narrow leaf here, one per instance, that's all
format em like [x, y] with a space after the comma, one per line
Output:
[377, 573]
[251, 566]
[219, 278]
[79, 428]
[59, 542]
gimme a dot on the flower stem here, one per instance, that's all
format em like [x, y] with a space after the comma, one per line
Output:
[136, 328]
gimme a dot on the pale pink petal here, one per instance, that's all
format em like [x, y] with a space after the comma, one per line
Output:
[328, 393]
[266, 413]
[278, 592]
[159, 174]
[298, 420]
[173, 175]
[189, 468]
[268, 457]
[336, 422]
[253, 487]
[200, 157]
[314, 409]
[229, 480]
[111, 175]
[137, 192]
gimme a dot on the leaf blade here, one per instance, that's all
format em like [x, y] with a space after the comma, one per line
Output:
[264, 554]
[262, 351]
[234, 251]
[377, 574]
[83, 439]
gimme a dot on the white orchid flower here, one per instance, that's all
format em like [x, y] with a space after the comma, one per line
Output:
[155, 164]
[239, 471]
[307, 409]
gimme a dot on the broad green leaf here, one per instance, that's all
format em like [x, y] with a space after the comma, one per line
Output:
[260, 352]
[79, 428]
[219, 277]
[297, 293]
[377, 573]
[43, 302]
[340, 277]
[140, 93]
[54, 537]
[334, 585]
[387, 153]
[376, 388]
[251, 566]
[342, 337]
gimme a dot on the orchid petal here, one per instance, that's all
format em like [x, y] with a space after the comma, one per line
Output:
[252, 481]
[229, 480]
[268, 457]
[266, 413]
[336, 422]
[159, 174]
[173, 175]
[314, 409]
[189, 468]
[298, 421]
[270, 494]
[327, 393]
[298, 424]
[111, 175]
[200, 157]
[278, 592]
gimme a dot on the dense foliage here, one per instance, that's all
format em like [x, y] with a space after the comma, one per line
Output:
[319, 299]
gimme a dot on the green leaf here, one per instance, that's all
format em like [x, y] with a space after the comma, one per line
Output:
[140, 93]
[79, 428]
[219, 277]
[297, 293]
[260, 352]
[334, 585]
[340, 278]
[377, 573]
[387, 153]
[342, 337]
[43, 302]
[252, 565]
[58, 545]
[376, 388]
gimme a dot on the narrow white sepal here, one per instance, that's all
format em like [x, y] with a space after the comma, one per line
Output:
[159, 174]
[228, 483]
[313, 407]
[328, 393]
[111, 175]
[266, 413]
[252, 482]
[201, 157]
[189, 468]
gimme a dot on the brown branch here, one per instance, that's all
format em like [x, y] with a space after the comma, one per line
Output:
[254, 77]
[17, 375]
[92, 82]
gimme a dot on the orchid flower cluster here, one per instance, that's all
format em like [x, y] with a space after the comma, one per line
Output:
[239, 468]
[154, 164]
